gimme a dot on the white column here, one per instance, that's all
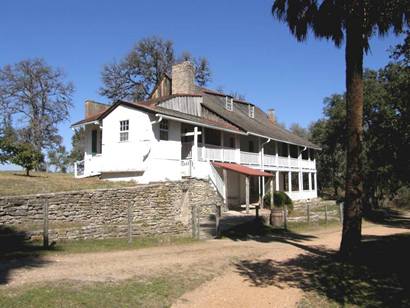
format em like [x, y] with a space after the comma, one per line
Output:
[247, 193]
[237, 149]
[260, 152]
[288, 155]
[277, 180]
[203, 144]
[300, 182]
[263, 186]
[310, 181]
[276, 153]
[195, 146]
[225, 177]
[290, 181]
[315, 177]
[222, 146]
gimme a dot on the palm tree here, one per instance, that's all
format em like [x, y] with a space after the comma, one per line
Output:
[356, 21]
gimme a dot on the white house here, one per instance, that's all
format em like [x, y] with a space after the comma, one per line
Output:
[186, 131]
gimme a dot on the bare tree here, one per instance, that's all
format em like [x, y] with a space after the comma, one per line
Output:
[134, 77]
[37, 98]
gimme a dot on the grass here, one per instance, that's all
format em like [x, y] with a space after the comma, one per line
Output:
[159, 291]
[16, 183]
[20, 248]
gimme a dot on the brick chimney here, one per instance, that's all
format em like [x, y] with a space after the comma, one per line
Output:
[183, 75]
[271, 115]
[92, 108]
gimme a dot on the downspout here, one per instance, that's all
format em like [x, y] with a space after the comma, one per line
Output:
[156, 121]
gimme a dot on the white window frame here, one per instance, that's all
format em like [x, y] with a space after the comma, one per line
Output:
[164, 128]
[124, 130]
[229, 103]
[251, 111]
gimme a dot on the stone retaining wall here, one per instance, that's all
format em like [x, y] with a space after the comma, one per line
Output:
[153, 209]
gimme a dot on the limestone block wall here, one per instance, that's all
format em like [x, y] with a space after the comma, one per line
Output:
[153, 209]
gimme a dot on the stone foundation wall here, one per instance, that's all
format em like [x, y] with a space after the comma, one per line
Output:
[153, 209]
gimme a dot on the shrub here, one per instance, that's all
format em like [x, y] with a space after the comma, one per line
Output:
[402, 198]
[280, 198]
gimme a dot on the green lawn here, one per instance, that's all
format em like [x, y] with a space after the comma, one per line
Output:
[159, 291]
[19, 248]
[16, 183]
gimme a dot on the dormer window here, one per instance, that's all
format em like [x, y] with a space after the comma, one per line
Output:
[229, 103]
[251, 111]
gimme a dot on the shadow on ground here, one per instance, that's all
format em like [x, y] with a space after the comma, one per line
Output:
[17, 252]
[389, 217]
[379, 276]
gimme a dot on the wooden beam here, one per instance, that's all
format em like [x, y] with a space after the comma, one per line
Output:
[247, 193]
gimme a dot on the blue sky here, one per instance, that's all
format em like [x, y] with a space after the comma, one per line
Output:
[249, 52]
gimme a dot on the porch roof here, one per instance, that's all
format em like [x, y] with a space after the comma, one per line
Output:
[241, 169]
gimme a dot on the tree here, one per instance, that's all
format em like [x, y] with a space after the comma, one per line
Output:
[357, 20]
[77, 145]
[22, 154]
[134, 77]
[38, 98]
[59, 158]
[298, 130]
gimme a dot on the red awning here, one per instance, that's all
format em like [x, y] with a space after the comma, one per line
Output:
[241, 169]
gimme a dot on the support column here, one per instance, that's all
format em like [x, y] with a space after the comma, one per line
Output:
[247, 193]
[300, 181]
[276, 154]
[277, 180]
[237, 149]
[290, 181]
[195, 146]
[222, 146]
[288, 155]
[225, 177]
[315, 177]
[203, 144]
[271, 193]
[310, 181]
[260, 191]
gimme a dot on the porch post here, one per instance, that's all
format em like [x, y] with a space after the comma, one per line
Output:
[271, 193]
[222, 146]
[277, 180]
[203, 144]
[276, 154]
[315, 178]
[300, 181]
[195, 146]
[288, 155]
[310, 181]
[237, 149]
[260, 192]
[225, 176]
[290, 181]
[247, 193]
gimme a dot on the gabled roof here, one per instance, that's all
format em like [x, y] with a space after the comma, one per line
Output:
[151, 107]
[259, 125]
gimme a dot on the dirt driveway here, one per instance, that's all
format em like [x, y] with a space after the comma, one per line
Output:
[228, 289]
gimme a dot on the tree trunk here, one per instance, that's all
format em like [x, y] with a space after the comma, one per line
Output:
[352, 223]
[27, 171]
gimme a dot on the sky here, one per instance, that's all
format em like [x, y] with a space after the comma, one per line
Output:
[249, 52]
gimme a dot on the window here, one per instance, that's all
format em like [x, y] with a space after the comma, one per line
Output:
[232, 142]
[313, 181]
[295, 181]
[283, 176]
[305, 154]
[124, 128]
[163, 130]
[251, 111]
[94, 141]
[305, 181]
[229, 103]
[251, 146]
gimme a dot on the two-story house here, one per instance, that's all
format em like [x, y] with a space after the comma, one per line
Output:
[184, 130]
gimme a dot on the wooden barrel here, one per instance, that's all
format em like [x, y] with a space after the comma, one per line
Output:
[276, 217]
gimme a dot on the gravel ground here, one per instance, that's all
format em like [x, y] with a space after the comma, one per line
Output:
[227, 289]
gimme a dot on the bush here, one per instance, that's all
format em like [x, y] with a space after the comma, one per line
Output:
[280, 198]
[402, 198]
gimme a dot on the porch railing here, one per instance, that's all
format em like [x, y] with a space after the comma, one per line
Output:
[249, 158]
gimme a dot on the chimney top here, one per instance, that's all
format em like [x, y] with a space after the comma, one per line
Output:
[271, 115]
[183, 75]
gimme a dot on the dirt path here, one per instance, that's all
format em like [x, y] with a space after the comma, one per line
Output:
[229, 289]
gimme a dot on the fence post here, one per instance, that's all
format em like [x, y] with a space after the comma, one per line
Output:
[45, 224]
[129, 218]
[285, 217]
[308, 212]
[325, 213]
